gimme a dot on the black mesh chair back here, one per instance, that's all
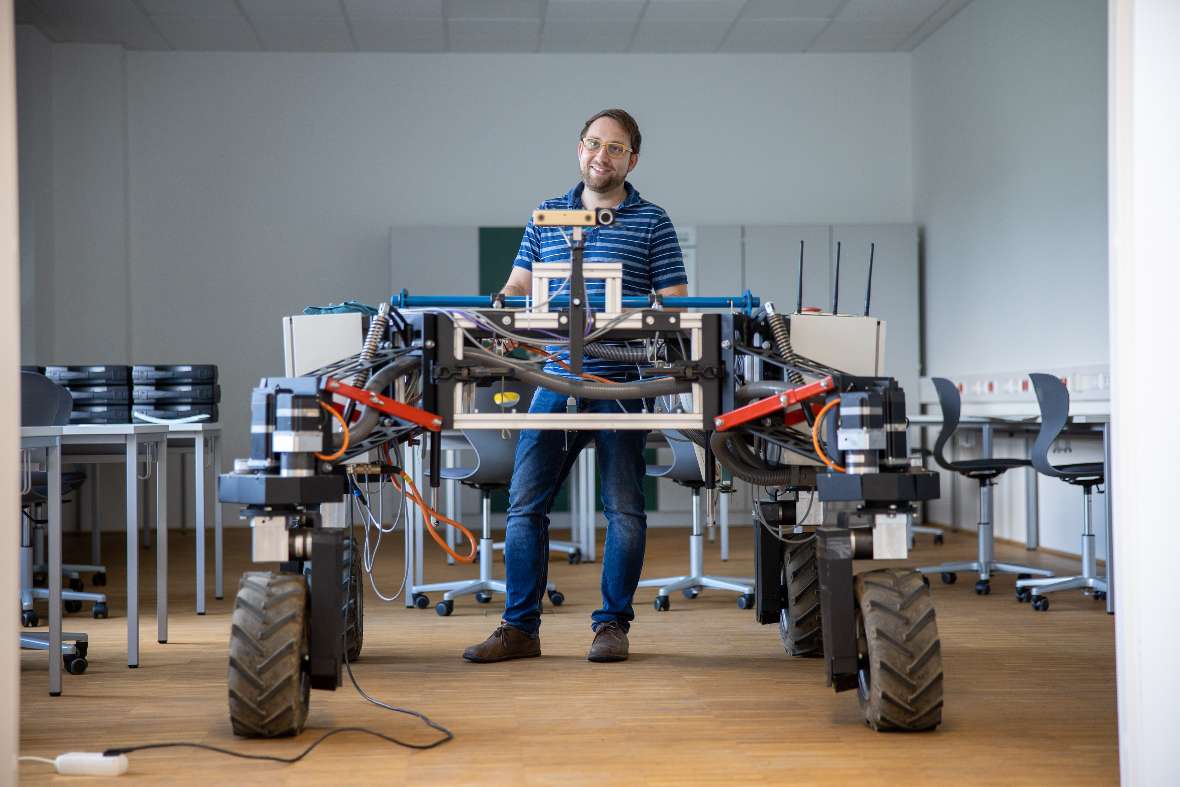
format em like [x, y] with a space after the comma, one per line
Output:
[685, 468]
[43, 402]
[1053, 398]
[495, 449]
[948, 400]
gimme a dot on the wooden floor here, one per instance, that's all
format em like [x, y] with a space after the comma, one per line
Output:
[708, 696]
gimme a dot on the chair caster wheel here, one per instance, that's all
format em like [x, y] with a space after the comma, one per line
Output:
[983, 588]
[1023, 595]
[575, 557]
[75, 665]
[938, 539]
[1024, 576]
[556, 598]
[99, 579]
[745, 601]
[72, 606]
[99, 611]
[926, 580]
[1100, 595]
[690, 593]
[76, 585]
[421, 600]
[29, 618]
[1040, 603]
[948, 577]
[444, 608]
[483, 597]
[662, 604]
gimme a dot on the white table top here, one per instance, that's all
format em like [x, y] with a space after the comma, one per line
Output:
[91, 430]
[196, 426]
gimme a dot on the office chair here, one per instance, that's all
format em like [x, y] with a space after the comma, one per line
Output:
[985, 471]
[45, 403]
[495, 454]
[1053, 398]
[686, 471]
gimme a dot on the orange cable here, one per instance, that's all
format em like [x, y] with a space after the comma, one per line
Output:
[819, 420]
[344, 427]
[430, 516]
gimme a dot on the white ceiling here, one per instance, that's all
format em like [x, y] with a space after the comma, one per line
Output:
[493, 25]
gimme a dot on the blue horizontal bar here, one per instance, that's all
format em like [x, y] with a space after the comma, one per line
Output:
[403, 300]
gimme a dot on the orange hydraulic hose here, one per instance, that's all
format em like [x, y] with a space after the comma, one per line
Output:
[819, 420]
[564, 365]
[430, 516]
[344, 444]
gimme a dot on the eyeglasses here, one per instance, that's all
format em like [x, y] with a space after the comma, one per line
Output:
[613, 149]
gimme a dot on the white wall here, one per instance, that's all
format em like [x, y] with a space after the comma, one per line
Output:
[1009, 140]
[201, 196]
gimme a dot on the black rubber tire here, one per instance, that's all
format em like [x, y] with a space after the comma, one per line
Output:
[949, 577]
[269, 685]
[899, 653]
[662, 604]
[99, 612]
[29, 618]
[800, 625]
[354, 606]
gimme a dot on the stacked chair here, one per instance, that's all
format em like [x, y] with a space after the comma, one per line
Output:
[1053, 398]
[686, 471]
[985, 472]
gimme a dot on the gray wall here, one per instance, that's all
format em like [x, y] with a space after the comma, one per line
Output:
[1009, 135]
[1009, 102]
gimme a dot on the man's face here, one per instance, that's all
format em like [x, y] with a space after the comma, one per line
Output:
[601, 171]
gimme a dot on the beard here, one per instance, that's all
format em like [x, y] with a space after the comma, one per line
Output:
[602, 182]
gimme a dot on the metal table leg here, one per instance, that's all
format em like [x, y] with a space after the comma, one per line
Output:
[53, 466]
[723, 523]
[131, 456]
[1032, 512]
[218, 550]
[451, 492]
[1106, 455]
[162, 538]
[95, 520]
[199, 511]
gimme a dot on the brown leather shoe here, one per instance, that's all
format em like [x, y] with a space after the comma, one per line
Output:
[504, 644]
[610, 643]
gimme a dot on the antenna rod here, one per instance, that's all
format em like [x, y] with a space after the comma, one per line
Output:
[799, 300]
[869, 285]
[836, 286]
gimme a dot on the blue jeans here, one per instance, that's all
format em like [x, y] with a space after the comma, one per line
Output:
[543, 461]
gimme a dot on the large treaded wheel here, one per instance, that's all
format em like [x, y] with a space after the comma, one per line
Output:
[269, 687]
[899, 655]
[800, 625]
[354, 605]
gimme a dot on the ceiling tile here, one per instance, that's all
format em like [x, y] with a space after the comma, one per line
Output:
[679, 11]
[301, 34]
[494, 9]
[389, 9]
[697, 35]
[903, 12]
[593, 9]
[790, 9]
[315, 9]
[933, 22]
[201, 8]
[773, 35]
[26, 13]
[494, 35]
[586, 35]
[860, 36]
[400, 35]
[100, 22]
[210, 34]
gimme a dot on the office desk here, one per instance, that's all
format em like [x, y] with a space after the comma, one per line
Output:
[89, 442]
[1029, 426]
[203, 438]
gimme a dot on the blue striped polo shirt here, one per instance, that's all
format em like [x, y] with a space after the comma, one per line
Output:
[642, 239]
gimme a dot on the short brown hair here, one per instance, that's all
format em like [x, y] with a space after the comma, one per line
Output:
[624, 119]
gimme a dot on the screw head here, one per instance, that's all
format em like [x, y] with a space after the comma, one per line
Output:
[577, 301]
[506, 320]
[726, 344]
[650, 320]
[428, 344]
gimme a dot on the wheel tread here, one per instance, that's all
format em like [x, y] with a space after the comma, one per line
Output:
[801, 621]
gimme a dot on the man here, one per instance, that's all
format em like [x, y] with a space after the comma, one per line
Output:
[643, 239]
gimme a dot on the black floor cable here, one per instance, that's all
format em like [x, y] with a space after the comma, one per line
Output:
[447, 735]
